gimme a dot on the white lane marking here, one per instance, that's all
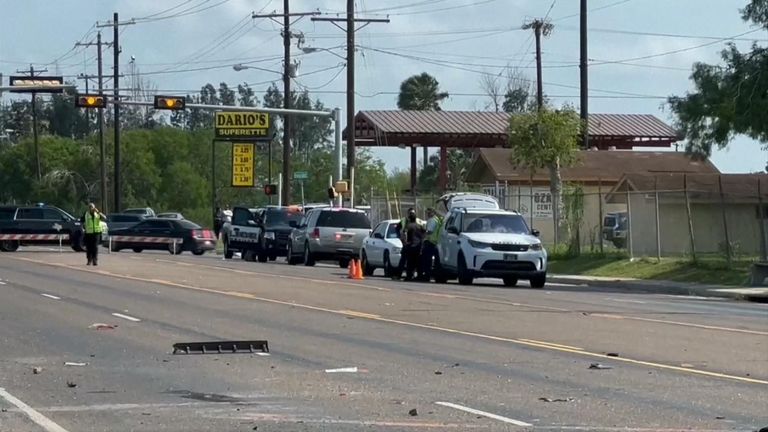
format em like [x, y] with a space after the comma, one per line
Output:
[33, 415]
[484, 414]
[50, 296]
[625, 301]
[127, 317]
[263, 354]
[2, 283]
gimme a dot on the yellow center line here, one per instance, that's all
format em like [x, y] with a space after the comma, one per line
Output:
[373, 317]
[661, 321]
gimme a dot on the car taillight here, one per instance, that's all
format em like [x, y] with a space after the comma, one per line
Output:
[316, 233]
[197, 234]
[338, 236]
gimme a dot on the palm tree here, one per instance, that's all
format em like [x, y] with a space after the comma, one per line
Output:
[421, 93]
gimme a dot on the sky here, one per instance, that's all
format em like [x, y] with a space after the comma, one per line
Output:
[640, 51]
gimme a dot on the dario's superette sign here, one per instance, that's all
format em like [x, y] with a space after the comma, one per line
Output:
[243, 126]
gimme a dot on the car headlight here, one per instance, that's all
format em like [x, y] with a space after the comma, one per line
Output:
[396, 250]
[479, 245]
[269, 235]
[535, 247]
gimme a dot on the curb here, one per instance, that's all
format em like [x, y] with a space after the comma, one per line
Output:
[667, 287]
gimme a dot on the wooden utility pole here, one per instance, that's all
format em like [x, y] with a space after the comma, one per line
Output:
[38, 167]
[540, 28]
[351, 27]
[584, 71]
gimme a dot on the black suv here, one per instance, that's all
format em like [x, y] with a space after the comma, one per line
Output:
[38, 220]
[276, 231]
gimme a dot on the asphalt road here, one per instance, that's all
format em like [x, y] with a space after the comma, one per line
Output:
[482, 357]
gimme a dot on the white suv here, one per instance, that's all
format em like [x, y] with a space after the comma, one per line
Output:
[484, 241]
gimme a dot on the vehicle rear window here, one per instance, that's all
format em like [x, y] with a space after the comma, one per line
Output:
[281, 216]
[185, 224]
[7, 213]
[495, 223]
[343, 219]
[124, 218]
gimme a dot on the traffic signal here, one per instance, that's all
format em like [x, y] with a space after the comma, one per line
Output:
[90, 101]
[332, 194]
[270, 189]
[170, 102]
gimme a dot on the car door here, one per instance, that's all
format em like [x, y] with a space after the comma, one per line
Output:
[374, 246]
[300, 233]
[449, 242]
[57, 223]
[240, 218]
[31, 221]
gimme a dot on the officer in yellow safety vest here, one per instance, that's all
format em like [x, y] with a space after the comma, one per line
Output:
[92, 227]
[429, 250]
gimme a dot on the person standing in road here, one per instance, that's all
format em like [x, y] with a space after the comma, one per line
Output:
[411, 234]
[92, 223]
[429, 250]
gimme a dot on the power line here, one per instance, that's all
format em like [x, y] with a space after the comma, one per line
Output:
[667, 35]
[166, 10]
[184, 13]
[477, 3]
[620, 2]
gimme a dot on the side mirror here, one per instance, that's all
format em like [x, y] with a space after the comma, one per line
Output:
[378, 236]
[535, 232]
[452, 230]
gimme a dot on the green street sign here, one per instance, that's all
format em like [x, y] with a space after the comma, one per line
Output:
[300, 175]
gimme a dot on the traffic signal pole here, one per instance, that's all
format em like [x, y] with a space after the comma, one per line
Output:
[102, 148]
[116, 84]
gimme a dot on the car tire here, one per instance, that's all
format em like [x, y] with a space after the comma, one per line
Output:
[262, 257]
[539, 281]
[249, 255]
[198, 252]
[309, 259]
[292, 260]
[175, 248]
[138, 250]
[116, 247]
[228, 254]
[273, 257]
[510, 281]
[368, 269]
[9, 245]
[388, 270]
[465, 275]
[344, 262]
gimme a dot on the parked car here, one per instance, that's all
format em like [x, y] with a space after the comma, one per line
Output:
[170, 215]
[38, 219]
[242, 233]
[615, 228]
[147, 212]
[159, 234]
[118, 221]
[332, 234]
[382, 248]
[480, 240]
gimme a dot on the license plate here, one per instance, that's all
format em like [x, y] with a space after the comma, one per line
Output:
[510, 257]
[345, 238]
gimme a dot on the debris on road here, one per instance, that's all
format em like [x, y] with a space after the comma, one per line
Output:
[343, 370]
[720, 417]
[71, 384]
[599, 366]
[37, 370]
[221, 347]
[102, 326]
[75, 364]
[612, 354]
[437, 372]
[413, 412]
[546, 399]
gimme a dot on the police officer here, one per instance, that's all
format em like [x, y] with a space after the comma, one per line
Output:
[92, 223]
[412, 235]
[429, 250]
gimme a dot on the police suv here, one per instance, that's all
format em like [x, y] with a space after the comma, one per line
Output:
[259, 233]
[478, 239]
[38, 224]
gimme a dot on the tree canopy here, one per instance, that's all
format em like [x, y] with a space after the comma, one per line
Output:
[421, 93]
[728, 99]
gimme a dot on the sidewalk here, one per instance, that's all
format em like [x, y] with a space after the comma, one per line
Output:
[756, 294]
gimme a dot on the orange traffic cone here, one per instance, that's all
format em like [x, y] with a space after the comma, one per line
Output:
[359, 270]
[351, 268]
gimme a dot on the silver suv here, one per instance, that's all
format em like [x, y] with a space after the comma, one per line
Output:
[328, 234]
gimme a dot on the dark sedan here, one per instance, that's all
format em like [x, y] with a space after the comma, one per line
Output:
[175, 236]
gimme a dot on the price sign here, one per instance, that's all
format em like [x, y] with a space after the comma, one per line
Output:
[243, 174]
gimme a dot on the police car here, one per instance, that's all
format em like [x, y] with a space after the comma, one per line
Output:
[478, 239]
[38, 224]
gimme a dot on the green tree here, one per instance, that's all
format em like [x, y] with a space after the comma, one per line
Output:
[421, 93]
[246, 96]
[226, 95]
[546, 139]
[64, 118]
[728, 99]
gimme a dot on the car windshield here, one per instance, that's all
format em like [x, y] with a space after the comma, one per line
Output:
[135, 211]
[275, 217]
[344, 219]
[495, 223]
[185, 224]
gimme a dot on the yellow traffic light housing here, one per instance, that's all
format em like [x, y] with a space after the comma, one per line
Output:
[90, 101]
[170, 103]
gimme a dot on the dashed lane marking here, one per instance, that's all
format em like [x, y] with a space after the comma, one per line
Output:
[50, 296]
[126, 317]
[44, 422]
[484, 414]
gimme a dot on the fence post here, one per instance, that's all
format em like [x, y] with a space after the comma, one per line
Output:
[530, 209]
[761, 219]
[629, 224]
[725, 221]
[658, 228]
[690, 219]
[600, 213]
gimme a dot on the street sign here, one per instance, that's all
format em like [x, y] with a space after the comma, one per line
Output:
[300, 175]
[243, 165]
[243, 126]
[38, 84]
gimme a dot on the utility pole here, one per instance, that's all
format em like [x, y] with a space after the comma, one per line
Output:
[584, 86]
[288, 74]
[540, 28]
[38, 167]
[351, 28]
[115, 24]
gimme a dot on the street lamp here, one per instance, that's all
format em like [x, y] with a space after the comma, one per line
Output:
[310, 50]
[240, 67]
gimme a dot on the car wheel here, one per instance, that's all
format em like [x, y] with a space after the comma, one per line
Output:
[198, 252]
[368, 269]
[388, 270]
[539, 280]
[115, 247]
[262, 257]
[465, 276]
[273, 257]
[309, 260]
[510, 281]
[174, 248]
[228, 254]
[292, 260]
[344, 262]
[138, 250]
[9, 245]
[249, 255]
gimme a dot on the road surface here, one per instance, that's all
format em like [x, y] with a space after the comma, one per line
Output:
[362, 355]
